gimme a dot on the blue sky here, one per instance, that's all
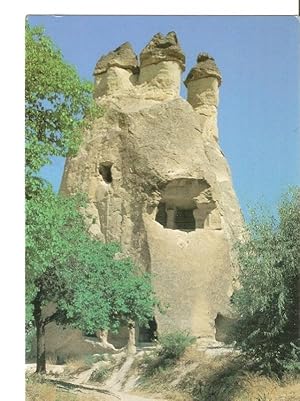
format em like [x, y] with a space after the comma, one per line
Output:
[258, 57]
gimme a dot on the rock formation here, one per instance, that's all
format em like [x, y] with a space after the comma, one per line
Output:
[158, 182]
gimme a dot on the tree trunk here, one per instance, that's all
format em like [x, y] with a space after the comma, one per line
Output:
[40, 338]
[131, 347]
[40, 348]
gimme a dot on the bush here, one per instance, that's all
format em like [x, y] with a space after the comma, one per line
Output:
[268, 300]
[173, 345]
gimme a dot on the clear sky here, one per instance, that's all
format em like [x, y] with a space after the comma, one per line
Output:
[259, 114]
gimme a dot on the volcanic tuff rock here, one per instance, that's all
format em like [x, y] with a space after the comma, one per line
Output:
[123, 57]
[163, 48]
[205, 67]
[158, 182]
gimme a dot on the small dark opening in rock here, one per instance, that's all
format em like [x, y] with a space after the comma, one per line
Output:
[148, 334]
[105, 172]
[224, 327]
[161, 215]
[184, 219]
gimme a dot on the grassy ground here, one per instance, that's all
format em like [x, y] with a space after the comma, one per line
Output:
[37, 389]
[48, 392]
[196, 377]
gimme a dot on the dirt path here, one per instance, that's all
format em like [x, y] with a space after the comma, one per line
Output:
[110, 392]
[117, 380]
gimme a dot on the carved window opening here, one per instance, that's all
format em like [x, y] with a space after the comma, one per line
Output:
[184, 219]
[175, 218]
[105, 172]
[188, 205]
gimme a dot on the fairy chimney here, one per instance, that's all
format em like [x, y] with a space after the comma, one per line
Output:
[158, 182]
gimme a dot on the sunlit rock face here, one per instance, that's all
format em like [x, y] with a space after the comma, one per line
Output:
[158, 182]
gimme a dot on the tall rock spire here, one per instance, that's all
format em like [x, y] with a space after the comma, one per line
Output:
[158, 182]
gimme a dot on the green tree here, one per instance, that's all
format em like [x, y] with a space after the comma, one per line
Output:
[267, 303]
[56, 100]
[91, 288]
[90, 285]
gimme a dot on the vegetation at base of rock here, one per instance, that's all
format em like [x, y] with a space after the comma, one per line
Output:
[56, 100]
[171, 347]
[91, 288]
[198, 377]
[267, 303]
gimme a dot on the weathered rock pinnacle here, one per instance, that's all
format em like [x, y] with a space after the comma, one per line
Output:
[123, 57]
[205, 67]
[158, 184]
[163, 48]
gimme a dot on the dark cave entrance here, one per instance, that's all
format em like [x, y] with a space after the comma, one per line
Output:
[105, 172]
[148, 334]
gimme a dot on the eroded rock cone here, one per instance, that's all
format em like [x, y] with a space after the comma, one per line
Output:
[163, 48]
[123, 57]
[159, 184]
[205, 67]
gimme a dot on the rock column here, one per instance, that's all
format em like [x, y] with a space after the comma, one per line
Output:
[161, 64]
[116, 71]
[202, 84]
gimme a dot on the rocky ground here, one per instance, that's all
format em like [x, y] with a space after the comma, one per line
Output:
[215, 369]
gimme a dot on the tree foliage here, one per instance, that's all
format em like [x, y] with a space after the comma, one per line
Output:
[92, 286]
[268, 300]
[56, 99]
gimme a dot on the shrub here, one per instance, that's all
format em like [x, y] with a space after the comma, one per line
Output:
[268, 300]
[173, 345]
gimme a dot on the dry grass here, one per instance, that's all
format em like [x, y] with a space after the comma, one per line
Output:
[192, 355]
[39, 391]
[197, 377]
[76, 366]
[177, 396]
[289, 391]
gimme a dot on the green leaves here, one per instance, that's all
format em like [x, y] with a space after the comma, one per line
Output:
[56, 101]
[91, 287]
[268, 300]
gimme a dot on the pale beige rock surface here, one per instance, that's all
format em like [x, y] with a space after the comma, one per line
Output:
[158, 182]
